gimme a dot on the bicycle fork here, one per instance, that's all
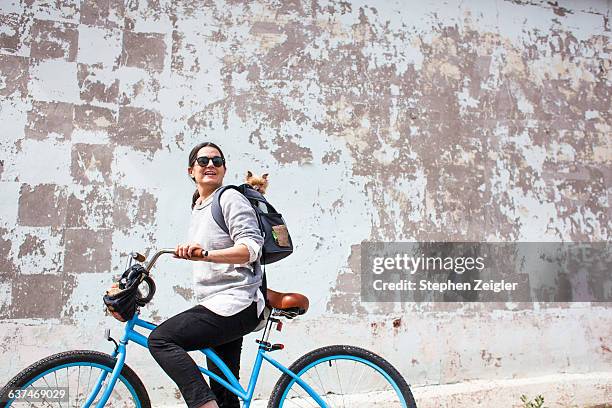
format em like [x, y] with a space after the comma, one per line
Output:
[119, 353]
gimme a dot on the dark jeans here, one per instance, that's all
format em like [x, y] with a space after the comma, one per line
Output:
[194, 329]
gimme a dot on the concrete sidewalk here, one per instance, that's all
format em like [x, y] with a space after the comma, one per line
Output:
[559, 391]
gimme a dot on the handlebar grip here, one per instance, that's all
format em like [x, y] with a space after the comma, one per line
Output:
[198, 253]
[138, 257]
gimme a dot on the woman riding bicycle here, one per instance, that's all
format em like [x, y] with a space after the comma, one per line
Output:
[227, 279]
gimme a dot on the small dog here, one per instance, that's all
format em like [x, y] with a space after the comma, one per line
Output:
[258, 183]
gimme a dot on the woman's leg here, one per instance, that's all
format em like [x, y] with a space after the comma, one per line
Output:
[193, 329]
[230, 354]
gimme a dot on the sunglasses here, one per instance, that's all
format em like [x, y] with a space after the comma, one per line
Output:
[217, 161]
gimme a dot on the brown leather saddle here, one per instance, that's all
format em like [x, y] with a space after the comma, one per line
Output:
[289, 304]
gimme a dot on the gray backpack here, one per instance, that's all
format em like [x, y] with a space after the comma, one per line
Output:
[277, 241]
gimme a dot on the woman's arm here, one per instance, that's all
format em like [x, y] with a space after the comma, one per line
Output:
[238, 254]
[242, 222]
[244, 231]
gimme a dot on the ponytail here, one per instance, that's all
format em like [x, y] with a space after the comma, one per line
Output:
[194, 198]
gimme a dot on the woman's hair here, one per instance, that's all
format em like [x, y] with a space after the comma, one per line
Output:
[193, 155]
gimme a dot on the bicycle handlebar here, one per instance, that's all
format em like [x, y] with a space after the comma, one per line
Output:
[141, 258]
[138, 257]
[157, 255]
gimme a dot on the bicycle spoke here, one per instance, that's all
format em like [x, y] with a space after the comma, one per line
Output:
[384, 385]
[45, 400]
[352, 371]
[68, 386]
[301, 394]
[76, 402]
[48, 404]
[322, 393]
[340, 384]
[359, 379]
[27, 400]
[57, 386]
[308, 398]
[48, 386]
[88, 381]
[322, 386]
[45, 380]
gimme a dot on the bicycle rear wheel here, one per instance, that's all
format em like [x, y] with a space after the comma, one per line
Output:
[73, 375]
[343, 376]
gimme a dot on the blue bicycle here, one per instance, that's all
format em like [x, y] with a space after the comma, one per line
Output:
[332, 376]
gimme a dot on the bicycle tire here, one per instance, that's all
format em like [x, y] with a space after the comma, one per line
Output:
[77, 358]
[326, 355]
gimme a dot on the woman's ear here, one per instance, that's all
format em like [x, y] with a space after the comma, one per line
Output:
[190, 172]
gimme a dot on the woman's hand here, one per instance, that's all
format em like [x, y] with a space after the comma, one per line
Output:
[187, 251]
[238, 254]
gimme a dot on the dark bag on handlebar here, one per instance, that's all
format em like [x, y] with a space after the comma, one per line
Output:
[122, 301]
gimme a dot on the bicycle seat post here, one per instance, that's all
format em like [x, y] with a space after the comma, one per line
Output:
[263, 342]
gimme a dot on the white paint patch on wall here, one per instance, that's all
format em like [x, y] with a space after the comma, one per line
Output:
[90, 136]
[9, 203]
[54, 80]
[30, 167]
[13, 117]
[99, 45]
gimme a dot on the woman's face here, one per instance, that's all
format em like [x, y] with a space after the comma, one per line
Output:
[208, 175]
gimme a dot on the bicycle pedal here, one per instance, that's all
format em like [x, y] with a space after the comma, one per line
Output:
[270, 347]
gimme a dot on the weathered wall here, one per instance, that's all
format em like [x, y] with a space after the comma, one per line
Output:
[482, 120]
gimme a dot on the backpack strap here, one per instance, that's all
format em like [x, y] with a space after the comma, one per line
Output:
[217, 214]
[248, 192]
[216, 210]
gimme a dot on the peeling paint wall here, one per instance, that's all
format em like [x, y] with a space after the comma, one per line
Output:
[483, 120]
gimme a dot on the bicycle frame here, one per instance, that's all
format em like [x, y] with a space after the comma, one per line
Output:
[231, 382]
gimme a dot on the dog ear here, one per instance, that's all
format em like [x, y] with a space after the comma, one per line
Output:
[265, 176]
[249, 174]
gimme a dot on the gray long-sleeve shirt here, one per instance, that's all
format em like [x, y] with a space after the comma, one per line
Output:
[227, 289]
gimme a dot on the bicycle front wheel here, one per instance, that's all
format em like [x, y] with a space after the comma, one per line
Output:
[74, 379]
[343, 376]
